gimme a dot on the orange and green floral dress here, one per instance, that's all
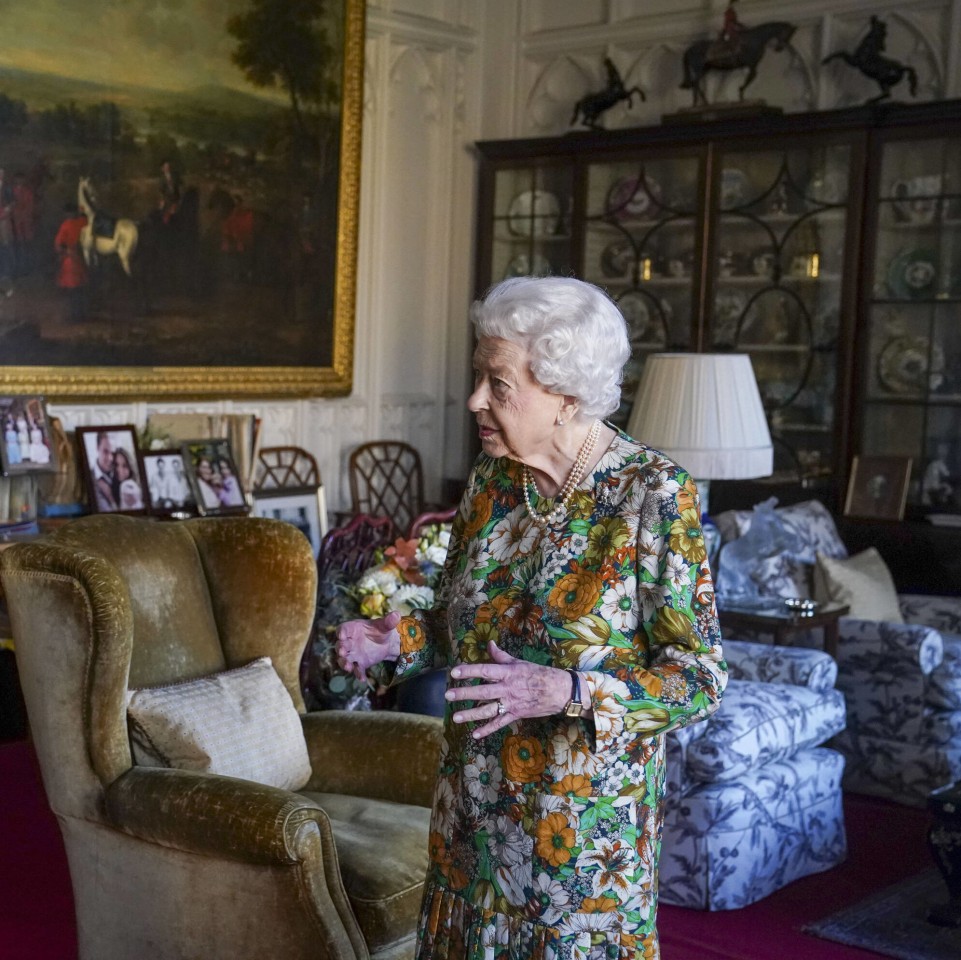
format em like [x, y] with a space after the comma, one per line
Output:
[545, 836]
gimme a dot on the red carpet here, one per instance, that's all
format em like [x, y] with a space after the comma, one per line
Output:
[887, 843]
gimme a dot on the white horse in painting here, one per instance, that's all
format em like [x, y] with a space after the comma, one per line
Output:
[123, 243]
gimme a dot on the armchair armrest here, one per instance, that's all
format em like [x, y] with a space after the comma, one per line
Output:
[942, 613]
[883, 670]
[219, 816]
[377, 754]
[801, 666]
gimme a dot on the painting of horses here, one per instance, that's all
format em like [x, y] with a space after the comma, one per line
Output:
[178, 196]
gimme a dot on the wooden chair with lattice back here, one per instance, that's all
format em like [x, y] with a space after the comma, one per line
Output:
[387, 480]
[293, 469]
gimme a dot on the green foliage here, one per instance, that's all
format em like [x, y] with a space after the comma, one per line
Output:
[13, 114]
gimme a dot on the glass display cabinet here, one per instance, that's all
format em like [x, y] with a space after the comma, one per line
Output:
[911, 376]
[737, 243]
[825, 245]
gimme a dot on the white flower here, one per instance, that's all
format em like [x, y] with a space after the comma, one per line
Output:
[411, 597]
[552, 897]
[651, 597]
[648, 552]
[442, 817]
[483, 778]
[677, 572]
[378, 581]
[508, 843]
[513, 536]
[570, 753]
[436, 555]
[619, 605]
[513, 882]
[611, 863]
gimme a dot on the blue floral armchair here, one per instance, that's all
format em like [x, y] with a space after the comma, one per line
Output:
[901, 681]
[753, 796]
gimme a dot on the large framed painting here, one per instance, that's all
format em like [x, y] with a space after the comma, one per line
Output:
[179, 197]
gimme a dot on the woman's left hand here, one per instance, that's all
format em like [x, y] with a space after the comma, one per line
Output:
[510, 689]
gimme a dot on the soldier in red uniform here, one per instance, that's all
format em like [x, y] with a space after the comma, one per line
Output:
[731, 27]
[72, 272]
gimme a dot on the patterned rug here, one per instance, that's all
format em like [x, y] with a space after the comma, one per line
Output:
[894, 923]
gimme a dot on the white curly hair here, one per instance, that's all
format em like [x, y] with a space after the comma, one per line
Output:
[573, 331]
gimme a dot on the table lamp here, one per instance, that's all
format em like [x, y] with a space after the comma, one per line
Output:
[704, 410]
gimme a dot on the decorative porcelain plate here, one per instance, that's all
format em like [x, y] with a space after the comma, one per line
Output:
[734, 187]
[616, 258]
[534, 213]
[912, 273]
[904, 365]
[633, 197]
[524, 266]
[637, 313]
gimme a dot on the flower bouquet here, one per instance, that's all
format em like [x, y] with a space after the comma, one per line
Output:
[403, 577]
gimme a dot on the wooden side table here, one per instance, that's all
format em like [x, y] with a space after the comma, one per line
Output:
[781, 622]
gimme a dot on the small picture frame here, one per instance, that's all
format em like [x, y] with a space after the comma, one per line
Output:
[214, 478]
[304, 507]
[112, 469]
[878, 487]
[27, 446]
[168, 484]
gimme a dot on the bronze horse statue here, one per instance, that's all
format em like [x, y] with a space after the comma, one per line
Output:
[592, 105]
[745, 51]
[867, 58]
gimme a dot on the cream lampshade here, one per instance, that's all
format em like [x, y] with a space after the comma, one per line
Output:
[704, 410]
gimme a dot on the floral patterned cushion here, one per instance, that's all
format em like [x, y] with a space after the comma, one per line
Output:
[759, 723]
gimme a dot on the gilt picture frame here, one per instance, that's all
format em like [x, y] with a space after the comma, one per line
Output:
[181, 218]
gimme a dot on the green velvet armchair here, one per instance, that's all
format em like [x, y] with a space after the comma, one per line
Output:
[167, 863]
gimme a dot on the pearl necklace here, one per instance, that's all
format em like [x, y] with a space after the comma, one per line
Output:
[562, 501]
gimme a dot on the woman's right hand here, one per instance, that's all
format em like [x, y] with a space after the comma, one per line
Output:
[362, 643]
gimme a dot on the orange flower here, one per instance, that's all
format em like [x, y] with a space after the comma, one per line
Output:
[437, 848]
[599, 905]
[651, 683]
[480, 512]
[574, 784]
[412, 636]
[576, 593]
[687, 496]
[522, 758]
[555, 837]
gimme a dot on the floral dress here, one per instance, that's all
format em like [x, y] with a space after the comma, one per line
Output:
[545, 835]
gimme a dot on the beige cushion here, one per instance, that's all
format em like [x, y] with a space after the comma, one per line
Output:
[863, 582]
[239, 723]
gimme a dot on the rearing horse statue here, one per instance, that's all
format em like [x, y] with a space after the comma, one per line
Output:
[121, 239]
[745, 52]
[867, 58]
[592, 105]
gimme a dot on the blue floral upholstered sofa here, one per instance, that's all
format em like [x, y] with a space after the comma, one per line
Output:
[754, 798]
[899, 659]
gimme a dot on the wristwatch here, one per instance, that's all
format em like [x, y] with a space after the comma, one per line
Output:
[574, 707]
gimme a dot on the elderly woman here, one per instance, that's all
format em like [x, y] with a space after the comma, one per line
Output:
[577, 616]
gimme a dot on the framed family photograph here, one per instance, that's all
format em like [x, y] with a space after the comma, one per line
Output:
[878, 487]
[213, 477]
[28, 445]
[112, 469]
[171, 494]
[179, 197]
[304, 507]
